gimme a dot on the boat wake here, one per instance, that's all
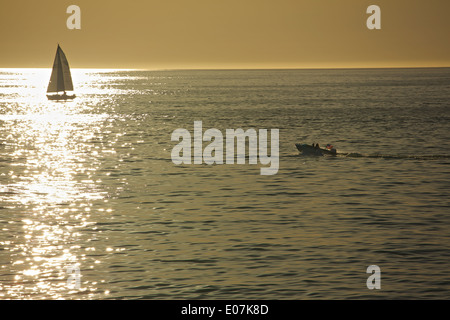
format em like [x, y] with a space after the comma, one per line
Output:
[393, 156]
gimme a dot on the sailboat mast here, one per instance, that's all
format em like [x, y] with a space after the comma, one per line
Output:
[60, 80]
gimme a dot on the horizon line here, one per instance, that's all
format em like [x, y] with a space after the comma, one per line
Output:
[236, 68]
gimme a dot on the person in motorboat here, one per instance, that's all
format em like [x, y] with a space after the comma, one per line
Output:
[331, 148]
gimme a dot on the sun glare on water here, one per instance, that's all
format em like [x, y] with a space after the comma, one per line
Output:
[48, 168]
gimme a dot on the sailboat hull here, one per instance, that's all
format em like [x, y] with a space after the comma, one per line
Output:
[60, 97]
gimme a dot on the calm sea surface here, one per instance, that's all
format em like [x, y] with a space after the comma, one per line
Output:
[90, 185]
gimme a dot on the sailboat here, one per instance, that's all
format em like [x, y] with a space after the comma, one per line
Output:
[60, 80]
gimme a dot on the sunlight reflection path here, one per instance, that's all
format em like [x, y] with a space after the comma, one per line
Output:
[50, 153]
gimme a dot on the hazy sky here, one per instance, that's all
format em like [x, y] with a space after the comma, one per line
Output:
[160, 34]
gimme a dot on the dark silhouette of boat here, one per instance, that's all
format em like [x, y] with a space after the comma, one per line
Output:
[315, 150]
[60, 80]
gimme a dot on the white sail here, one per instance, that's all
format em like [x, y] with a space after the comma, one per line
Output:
[60, 80]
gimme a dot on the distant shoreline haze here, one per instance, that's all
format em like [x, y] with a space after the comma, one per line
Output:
[231, 69]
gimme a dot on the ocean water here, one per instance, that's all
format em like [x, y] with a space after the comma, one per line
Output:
[88, 190]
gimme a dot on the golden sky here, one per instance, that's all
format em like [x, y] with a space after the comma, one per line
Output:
[168, 34]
